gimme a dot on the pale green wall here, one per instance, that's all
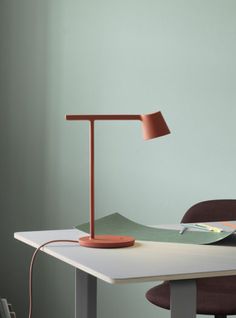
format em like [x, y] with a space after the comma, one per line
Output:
[107, 56]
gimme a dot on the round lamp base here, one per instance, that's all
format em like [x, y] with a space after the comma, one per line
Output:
[107, 241]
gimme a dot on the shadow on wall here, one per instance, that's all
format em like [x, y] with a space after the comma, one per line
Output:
[24, 65]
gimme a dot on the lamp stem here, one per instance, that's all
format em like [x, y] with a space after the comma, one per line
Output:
[92, 216]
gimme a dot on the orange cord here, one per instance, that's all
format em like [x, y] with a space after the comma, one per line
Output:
[31, 270]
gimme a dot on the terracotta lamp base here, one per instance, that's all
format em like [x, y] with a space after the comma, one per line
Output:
[107, 241]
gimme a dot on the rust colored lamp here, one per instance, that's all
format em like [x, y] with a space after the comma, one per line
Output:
[153, 126]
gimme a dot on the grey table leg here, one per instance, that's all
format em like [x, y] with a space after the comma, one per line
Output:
[85, 295]
[183, 295]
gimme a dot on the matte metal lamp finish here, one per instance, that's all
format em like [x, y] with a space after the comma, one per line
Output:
[154, 126]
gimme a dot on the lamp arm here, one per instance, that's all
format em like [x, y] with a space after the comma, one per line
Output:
[103, 117]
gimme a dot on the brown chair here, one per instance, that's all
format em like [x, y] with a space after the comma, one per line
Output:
[217, 295]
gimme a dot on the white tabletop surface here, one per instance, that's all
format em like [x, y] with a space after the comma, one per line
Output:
[145, 261]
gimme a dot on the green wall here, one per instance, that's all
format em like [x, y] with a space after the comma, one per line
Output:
[107, 56]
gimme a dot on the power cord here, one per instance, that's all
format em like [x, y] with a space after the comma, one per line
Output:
[31, 270]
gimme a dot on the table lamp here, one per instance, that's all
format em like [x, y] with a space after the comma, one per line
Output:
[153, 126]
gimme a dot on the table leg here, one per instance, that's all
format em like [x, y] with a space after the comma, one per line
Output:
[183, 295]
[85, 295]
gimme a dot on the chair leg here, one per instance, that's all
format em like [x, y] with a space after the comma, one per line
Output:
[220, 316]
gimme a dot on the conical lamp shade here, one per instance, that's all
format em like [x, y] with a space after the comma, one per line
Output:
[154, 126]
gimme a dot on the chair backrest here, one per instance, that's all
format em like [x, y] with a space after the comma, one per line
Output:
[212, 210]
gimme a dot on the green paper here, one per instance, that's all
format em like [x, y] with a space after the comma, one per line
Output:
[116, 224]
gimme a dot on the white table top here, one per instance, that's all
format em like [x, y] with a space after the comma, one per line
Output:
[145, 261]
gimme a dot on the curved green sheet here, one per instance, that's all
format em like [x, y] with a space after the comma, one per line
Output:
[116, 224]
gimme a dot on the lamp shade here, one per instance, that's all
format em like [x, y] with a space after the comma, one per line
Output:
[154, 125]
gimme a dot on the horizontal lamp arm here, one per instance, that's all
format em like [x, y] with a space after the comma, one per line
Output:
[103, 117]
